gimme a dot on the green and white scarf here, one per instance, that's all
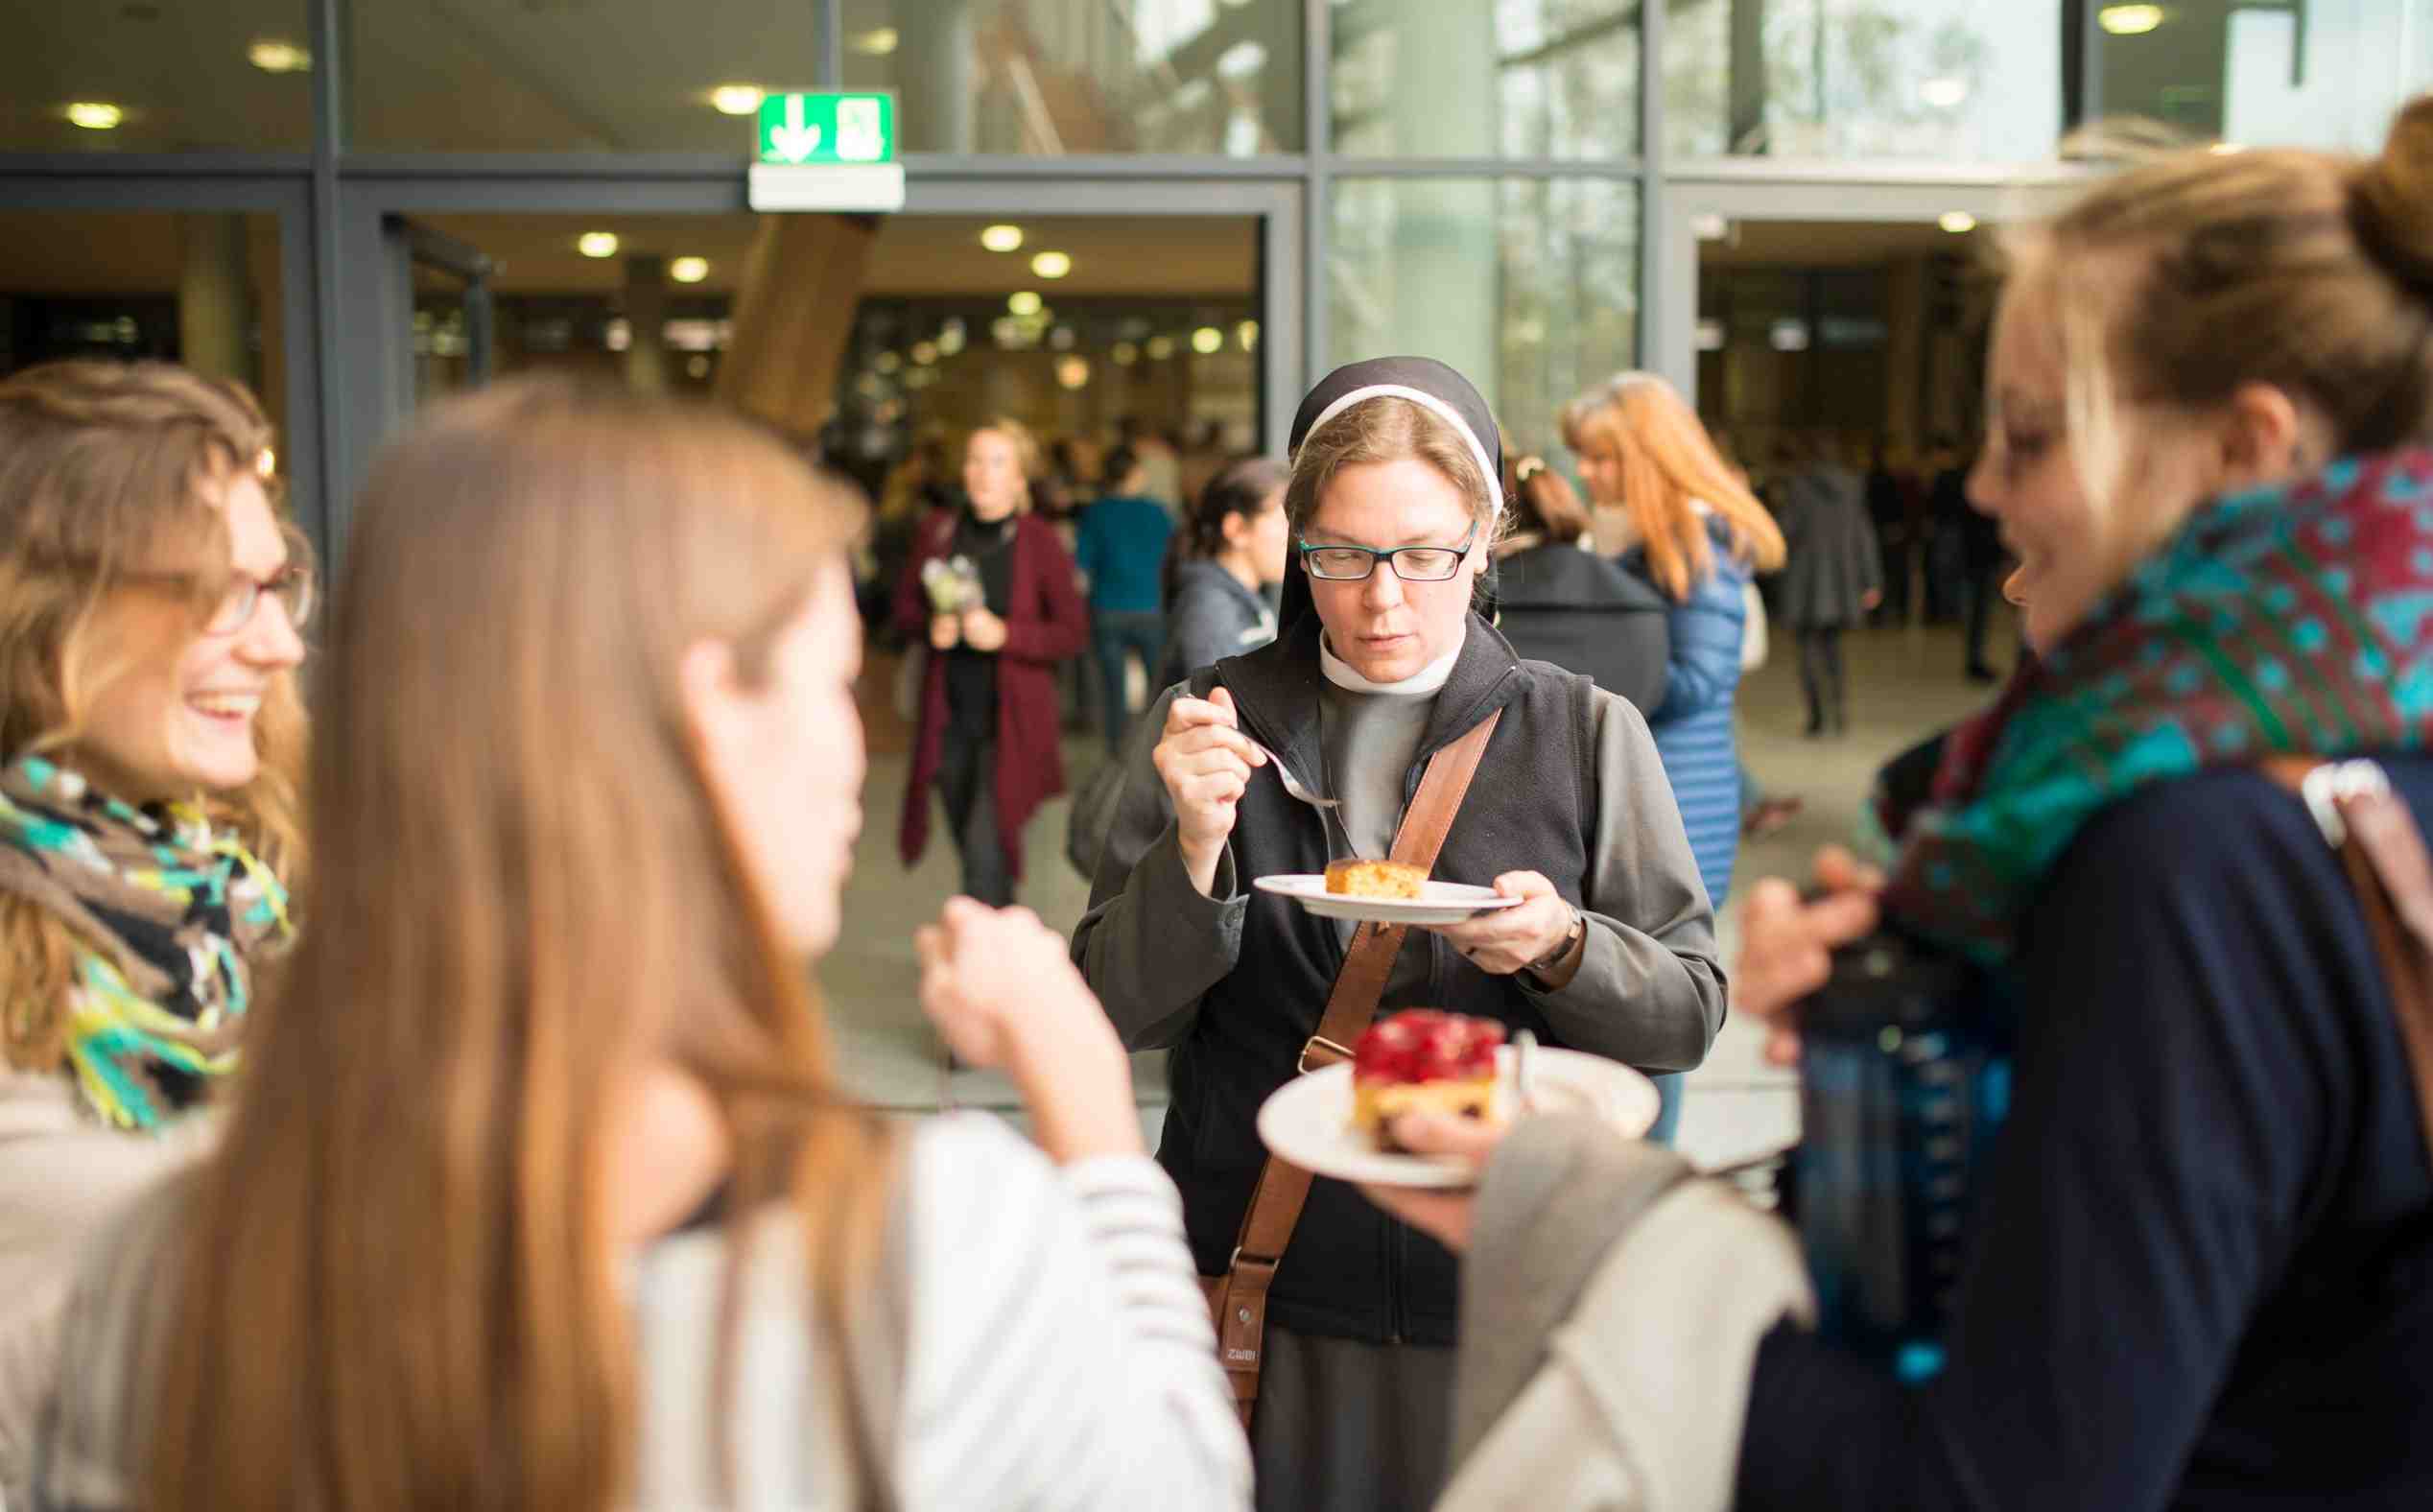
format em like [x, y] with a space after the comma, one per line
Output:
[169, 917]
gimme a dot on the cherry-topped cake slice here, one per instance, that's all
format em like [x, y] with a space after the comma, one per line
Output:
[1423, 1060]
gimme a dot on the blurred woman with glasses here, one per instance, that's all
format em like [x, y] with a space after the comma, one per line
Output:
[1394, 504]
[150, 744]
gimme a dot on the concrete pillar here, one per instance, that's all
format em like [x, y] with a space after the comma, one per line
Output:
[646, 315]
[215, 304]
[793, 315]
[937, 53]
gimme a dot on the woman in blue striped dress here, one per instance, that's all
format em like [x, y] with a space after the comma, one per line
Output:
[1679, 516]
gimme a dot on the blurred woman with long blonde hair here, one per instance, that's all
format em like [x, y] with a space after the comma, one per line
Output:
[151, 736]
[542, 1190]
[1676, 514]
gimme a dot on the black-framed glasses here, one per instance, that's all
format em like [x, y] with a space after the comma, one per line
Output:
[293, 585]
[1410, 563]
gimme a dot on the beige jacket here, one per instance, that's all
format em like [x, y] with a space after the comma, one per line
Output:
[1634, 1398]
[62, 1175]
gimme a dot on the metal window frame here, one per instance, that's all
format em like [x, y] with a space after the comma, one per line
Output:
[147, 185]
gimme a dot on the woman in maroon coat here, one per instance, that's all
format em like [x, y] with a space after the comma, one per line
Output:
[991, 590]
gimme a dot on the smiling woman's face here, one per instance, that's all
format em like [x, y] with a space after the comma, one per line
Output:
[1385, 627]
[179, 716]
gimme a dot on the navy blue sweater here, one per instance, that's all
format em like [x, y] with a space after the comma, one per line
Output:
[2204, 1276]
[1122, 547]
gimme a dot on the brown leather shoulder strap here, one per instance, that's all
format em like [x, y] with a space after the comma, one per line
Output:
[2388, 864]
[1368, 965]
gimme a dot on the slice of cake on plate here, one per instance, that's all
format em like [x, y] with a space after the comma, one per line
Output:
[1423, 1060]
[1374, 878]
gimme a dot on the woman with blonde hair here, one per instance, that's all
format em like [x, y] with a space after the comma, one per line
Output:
[2194, 1268]
[1683, 520]
[151, 741]
[542, 1190]
[990, 590]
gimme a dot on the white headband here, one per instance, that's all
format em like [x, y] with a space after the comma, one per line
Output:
[1434, 406]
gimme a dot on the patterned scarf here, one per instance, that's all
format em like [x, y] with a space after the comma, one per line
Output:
[168, 916]
[2294, 619]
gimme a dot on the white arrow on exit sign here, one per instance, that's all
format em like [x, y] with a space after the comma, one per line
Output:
[795, 141]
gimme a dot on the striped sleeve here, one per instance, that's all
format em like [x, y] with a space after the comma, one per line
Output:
[1059, 1354]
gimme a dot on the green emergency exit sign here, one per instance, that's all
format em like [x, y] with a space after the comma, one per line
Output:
[801, 129]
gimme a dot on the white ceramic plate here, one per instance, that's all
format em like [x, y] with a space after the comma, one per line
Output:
[1437, 903]
[1308, 1121]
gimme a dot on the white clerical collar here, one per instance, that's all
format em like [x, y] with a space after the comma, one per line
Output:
[1428, 682]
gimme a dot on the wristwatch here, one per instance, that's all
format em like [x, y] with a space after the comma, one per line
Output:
[1555, 956]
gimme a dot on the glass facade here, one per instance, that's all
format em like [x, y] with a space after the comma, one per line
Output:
[1954, 79]
[1503, 183]
[615, 75]
[1528, 286]
[1458, 79]
[154, 75]
[2316, 73]
[1059, 78]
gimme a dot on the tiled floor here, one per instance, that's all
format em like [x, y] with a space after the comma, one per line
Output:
[1904, 684]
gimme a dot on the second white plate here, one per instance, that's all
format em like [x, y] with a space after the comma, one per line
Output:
[1437, 903]
[1308, 1121]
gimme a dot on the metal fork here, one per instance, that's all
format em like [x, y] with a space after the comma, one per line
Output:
[1327, 819]
[1292, 783]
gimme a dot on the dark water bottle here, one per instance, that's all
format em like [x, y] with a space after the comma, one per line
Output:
[1904, 1080]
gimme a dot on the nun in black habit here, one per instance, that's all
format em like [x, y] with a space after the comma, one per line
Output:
[1382, 660]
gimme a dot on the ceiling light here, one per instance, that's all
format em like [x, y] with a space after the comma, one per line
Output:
[1000, 238]
[1161, 347]
[1787, 335]
[273, 56]
[1061, 338]
[1023, 302]
[1052, 264]
[950, 337]
[877, 43]
[1247, 334]
[1959, 222]
[2130, 20]
[596, 244]
[887, 362]
[1125, 354]
[1207, 339]
[1073, 372]
[697, 367]
[925, 353]
[95, 115]
[736, 99]
[1944, 93]
[1710, 334]
[688, 270]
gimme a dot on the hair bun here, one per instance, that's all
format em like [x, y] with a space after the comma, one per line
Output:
[2391, 199]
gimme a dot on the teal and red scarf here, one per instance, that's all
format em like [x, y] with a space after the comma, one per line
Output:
[170, 916]
[2293, 618]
